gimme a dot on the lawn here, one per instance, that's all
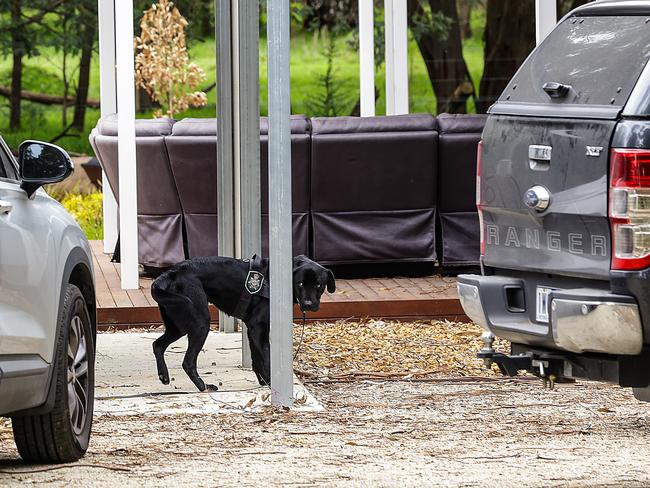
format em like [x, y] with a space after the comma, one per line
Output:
[43, 74]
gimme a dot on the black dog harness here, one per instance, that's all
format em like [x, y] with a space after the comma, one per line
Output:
[254, 284]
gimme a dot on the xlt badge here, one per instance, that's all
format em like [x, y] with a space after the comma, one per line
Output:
[594, 151]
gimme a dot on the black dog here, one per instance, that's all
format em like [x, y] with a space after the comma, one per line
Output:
[237, 288]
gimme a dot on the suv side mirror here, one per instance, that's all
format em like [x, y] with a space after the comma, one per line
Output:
[42, 163]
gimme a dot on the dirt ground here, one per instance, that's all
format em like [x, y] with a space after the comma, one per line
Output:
[457, 429]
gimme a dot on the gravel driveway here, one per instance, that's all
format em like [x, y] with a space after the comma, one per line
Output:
[449, 433]
[449, 427]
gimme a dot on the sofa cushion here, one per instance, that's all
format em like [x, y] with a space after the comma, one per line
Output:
[363, 125]
[373, 185]
[107, 126]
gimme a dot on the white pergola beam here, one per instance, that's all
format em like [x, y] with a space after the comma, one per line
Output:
[108, 105]
[367, 57]
[545, 18]
[397, 80]
[125, 81]
[280, 245]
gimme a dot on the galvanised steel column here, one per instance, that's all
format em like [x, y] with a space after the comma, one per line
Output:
[225, 188]
[280, 246]
[248, 140]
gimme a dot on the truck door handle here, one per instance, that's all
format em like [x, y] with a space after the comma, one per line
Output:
[5, 207]
[539, 157]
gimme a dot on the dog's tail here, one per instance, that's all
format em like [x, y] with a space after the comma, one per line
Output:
[160, 293]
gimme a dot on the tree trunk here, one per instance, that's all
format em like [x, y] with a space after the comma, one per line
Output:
[509, 38]
[443, 57]
[18, 50]
[465, 15]
[565, 6]
[84, 77]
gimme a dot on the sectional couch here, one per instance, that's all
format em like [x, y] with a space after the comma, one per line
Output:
[364, 190]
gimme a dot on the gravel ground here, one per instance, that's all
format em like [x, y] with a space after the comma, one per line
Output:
[428, 431]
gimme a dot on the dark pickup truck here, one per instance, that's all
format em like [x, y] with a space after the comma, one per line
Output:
[563, 193]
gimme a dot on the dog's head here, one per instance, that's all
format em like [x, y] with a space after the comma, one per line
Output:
[309, 282]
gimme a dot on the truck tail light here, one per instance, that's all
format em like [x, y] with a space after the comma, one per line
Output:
[629, 208]
[479, 157]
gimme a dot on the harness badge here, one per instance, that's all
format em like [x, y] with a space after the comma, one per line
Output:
[254, 282]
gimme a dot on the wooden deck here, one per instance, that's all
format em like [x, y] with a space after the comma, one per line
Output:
[432, 297]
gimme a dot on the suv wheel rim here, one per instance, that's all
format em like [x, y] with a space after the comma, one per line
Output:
[77, 375]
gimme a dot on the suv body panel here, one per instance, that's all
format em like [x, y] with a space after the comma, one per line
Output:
[40, 245]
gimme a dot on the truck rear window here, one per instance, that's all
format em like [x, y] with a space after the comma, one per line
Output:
[601, 59]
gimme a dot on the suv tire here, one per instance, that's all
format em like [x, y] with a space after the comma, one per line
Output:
[62, 434]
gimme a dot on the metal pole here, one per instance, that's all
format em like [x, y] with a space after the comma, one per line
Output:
[108, 105]
[225, 187]
[397, 78]
[367, 57]
[280, 246]
[126, 145]
[545, 18]
[249, 139]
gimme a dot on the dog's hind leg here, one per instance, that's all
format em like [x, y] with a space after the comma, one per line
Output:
[196, 336]
[160, 345]
[195, 340]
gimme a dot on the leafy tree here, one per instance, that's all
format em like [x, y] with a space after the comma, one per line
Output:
[332, 101]
[436, 29]
[162, 64]
[20, 32]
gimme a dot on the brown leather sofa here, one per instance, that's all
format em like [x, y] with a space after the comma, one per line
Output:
[192, 152]
[458, 242]
[160, 224]
[365, 190]
[373, 189]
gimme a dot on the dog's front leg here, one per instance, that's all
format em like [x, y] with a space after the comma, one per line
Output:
[258, 337]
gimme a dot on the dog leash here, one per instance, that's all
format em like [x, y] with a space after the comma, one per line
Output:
[302, 335]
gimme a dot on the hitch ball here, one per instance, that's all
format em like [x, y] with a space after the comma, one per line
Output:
[488, 340]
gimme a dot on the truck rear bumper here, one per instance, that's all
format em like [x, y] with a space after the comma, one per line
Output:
[580, 320]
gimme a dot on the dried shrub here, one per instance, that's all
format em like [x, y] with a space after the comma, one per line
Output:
[162, 65]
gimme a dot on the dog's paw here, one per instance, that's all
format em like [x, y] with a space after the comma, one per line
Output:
[210, 387]
[164, 379]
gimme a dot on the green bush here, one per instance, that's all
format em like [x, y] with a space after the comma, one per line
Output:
[87, 210]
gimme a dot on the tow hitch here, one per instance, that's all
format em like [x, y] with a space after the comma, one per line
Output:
[547, 367]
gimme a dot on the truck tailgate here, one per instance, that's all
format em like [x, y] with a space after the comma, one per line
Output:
[567, 157]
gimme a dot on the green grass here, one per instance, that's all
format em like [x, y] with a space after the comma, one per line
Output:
[308, 64]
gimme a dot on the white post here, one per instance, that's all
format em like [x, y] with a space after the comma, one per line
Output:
[397, 81]
[108, 105]
[280, 245]
[545, 18]
[367, 57]
[126, 144]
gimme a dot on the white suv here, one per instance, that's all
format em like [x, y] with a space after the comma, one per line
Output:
[47, 310]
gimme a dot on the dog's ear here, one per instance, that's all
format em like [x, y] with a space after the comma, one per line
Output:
[298, 260]
[331, 282]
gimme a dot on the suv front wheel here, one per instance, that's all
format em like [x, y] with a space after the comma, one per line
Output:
[62, 435]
